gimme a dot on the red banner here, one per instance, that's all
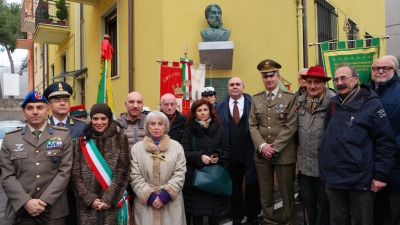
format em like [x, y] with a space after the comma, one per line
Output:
[171, 79]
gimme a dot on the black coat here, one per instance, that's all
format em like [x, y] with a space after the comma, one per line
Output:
[177, 128]
[199, 202]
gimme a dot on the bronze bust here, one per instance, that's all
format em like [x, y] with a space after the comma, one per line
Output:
[215, 32]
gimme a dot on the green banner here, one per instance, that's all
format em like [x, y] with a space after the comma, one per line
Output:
[360, 58]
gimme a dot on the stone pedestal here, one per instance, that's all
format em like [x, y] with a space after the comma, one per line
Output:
[219, 54]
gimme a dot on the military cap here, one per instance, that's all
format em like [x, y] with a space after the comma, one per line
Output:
[58, 89]
[268, 66]
[208, 91]
[78, 110]
[33, 96]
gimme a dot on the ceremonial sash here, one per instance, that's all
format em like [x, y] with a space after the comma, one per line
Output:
[104, 175]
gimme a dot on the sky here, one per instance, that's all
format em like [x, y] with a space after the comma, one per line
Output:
[18, 55]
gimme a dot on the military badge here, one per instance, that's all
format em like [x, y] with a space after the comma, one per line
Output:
[54, 144]
[38, 95]
[279, 95]
[259, 105]
[18, 148]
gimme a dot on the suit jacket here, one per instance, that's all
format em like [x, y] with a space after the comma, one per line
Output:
[275, 123]
[39, 171]
[74, 126]
[223, 111]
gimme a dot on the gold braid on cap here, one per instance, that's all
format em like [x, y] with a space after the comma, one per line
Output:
[268, 68]
[60, 88]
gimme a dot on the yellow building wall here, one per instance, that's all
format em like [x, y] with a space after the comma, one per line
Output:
[369, 15]
[260, 29]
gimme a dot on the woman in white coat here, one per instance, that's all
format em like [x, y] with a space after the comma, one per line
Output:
[158, 168]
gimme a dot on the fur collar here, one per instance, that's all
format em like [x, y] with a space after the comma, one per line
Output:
[163, 146]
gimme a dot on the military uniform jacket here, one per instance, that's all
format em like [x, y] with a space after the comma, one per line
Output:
[275, 123]
[75, 126]
[39, 171]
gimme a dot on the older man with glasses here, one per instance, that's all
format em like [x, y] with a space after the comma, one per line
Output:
[176, 119]
[356, 155]
[385, 83]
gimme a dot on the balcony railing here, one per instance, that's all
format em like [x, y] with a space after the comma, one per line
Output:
[46, 12]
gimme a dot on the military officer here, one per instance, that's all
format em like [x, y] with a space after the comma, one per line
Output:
[36, 162]
[58, 95]
[273, 124]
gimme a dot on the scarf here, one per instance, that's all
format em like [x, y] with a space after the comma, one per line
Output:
[313, 103]
[204, 124]
[351, 96]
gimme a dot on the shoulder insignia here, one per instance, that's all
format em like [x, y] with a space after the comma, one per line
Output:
[12, 131]
[259, 93]
[80, 120]
[290, 92]
[60, 128]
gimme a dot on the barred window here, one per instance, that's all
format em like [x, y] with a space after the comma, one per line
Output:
[353, 34]
[326, 25]
[368, 41]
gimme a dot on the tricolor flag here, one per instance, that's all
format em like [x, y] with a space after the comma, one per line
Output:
[186, 78]
[105, 94]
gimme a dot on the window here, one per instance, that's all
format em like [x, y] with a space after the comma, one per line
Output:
[41, 54]
[64, 64]
[368, 41]
[353, 34]
[326, 25]
[111, 29]
[36, 56]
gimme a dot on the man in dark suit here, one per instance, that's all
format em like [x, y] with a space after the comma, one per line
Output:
[36, 161]
[234, 113]
[58, 95]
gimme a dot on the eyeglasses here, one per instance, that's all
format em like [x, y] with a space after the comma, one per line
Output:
[343, 79]
[384, 68]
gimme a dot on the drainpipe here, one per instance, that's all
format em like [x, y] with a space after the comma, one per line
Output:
[44, 66]
[130, 45]
[300, 33]
[305, 32]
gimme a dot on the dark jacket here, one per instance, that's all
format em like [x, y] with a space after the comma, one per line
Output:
[247, 154]
[389, 94]
[358, 144]
[74, 126]
[176, 129]
[199, 202]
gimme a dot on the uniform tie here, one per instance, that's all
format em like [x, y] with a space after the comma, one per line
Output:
[235, 115]
[270, 94]
[36, 133]
[61, 124]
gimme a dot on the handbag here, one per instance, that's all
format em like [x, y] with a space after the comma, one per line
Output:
[213, 178]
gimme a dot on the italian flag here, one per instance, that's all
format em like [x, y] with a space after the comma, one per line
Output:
[186, 78]
[105, 94]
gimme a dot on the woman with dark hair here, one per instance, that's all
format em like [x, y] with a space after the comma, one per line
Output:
[205, 142]
[100, 172]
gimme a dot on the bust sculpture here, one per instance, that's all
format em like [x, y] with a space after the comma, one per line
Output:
[215, 32]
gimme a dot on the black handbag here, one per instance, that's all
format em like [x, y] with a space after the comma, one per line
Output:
[213, 178]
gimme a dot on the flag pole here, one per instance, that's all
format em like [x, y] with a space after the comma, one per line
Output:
[105, 81]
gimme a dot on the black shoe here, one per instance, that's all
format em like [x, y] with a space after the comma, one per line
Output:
[253, 222]
[236, 222]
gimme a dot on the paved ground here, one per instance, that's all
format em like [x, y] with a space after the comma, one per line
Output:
[224, 217]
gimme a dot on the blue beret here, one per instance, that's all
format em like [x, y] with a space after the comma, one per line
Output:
[33, 96]
[58, 89]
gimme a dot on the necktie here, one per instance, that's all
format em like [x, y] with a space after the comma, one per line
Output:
[36, 133]
[235, 115]
[270, 94]
[60, 124]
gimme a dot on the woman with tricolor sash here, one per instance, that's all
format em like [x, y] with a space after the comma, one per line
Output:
[100, 172]
[158, 168]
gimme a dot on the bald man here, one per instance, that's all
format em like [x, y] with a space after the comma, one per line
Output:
[133, 119]
[176, 119]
